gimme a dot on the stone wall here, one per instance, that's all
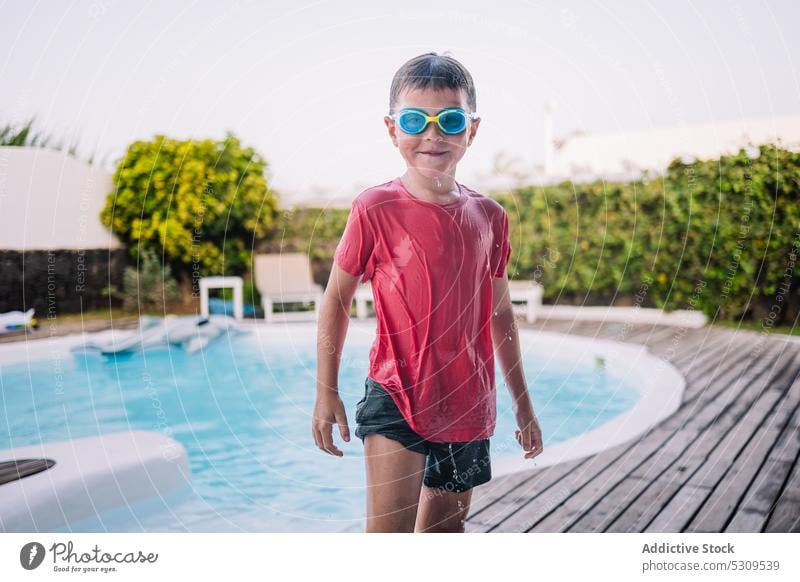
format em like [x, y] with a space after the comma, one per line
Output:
[59, 281]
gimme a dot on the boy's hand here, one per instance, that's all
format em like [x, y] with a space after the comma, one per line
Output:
[529, 435]
[329, 409]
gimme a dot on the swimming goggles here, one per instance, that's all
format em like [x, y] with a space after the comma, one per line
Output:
[451, 120]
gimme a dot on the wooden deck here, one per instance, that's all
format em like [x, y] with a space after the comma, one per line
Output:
[725, 461]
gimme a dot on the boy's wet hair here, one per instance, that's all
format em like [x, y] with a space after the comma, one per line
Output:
[432, 70]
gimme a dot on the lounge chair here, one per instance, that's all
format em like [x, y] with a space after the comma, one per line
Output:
[286, 278]
[528, 292]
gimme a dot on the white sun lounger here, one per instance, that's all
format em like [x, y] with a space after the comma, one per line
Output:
[286, 278]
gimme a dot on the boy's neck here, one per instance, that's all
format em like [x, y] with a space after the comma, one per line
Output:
[437, 189]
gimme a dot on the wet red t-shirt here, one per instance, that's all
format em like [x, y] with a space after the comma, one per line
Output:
[431, 268]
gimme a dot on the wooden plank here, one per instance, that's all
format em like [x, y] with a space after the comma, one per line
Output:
[719, 474]
[666, 444]
[728, 353]
[707, 364]
[610, 467]
[750, 404]
[622, 454]
[586, 328]
[719, 508]
[617, 331]
[493, 505]
[696, 354]
[495, 489]
[625, 332]
[532, 503]
[652, 336]
[677, 339]
[764, 492]
[702, 371]
[682, 339]
[663, 335]
[786, 515]
[529, 508]
[485, 495]
[690, 359]
[716, 342]
[704, 362]
[633, 332]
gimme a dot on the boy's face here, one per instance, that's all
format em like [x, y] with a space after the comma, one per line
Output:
[432, 153]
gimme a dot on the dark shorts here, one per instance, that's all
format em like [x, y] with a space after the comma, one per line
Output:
[455, 466]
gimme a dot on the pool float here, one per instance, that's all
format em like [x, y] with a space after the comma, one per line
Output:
[191, 333]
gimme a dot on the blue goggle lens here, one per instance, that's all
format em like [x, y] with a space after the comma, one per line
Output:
[453, 121]
[412, 121]
[450, 122]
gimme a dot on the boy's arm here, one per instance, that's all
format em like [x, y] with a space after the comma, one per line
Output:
[506, 344]
[506, 340]
[334, 318]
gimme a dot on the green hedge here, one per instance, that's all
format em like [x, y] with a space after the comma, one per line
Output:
[719, 236]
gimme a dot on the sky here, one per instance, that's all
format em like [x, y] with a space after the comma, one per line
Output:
[307, 83]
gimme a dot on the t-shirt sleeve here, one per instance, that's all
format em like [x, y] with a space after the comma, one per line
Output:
[354, 252]
[502, 247]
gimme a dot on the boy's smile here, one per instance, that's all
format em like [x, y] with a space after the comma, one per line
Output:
[432, 154]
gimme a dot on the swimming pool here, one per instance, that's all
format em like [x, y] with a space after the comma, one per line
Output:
[242, 408]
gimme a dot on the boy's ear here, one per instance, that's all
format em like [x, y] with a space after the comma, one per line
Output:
[473, 129]
[391, 127]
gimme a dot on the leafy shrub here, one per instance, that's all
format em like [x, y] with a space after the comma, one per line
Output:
[720, 236]
[203, 203]
[148, 287]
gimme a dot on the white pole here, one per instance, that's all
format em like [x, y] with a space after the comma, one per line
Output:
[549, 146]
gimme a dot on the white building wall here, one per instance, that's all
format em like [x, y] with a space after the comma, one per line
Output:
[52, 200]
[624, 155]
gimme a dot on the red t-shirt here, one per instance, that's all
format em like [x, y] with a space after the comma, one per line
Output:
[431, 268]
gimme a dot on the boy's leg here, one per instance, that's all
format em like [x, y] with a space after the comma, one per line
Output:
[452, 470]
[394, 480]
[442, 511]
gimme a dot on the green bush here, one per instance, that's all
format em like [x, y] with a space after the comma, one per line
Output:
[717, 235]
[150, 287]
[203, 203]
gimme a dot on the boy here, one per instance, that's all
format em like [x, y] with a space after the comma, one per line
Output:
[435, 252]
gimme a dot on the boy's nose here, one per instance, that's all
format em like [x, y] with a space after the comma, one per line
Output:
[432, 132]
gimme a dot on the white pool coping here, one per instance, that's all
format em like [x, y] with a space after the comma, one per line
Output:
[660, 386]
[91, 475]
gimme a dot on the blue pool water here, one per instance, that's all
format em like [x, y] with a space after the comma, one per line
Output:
[242, 409]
